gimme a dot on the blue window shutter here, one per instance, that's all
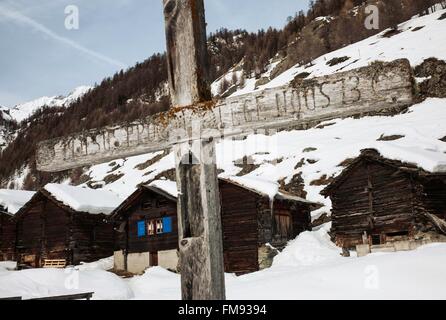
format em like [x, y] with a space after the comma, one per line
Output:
[141, 228]
[167, 224]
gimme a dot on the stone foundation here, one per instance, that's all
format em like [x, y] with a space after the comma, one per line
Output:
[168, 259]
[406, 245]
[266, 256]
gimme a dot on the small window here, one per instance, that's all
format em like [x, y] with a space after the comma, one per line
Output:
[147, 205]
[161, 202]
[376, 239]
[141, 226]
[159, 226]
[151, 228]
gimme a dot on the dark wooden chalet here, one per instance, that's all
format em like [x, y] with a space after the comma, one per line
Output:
[377, 201]
[65, 223]
[147, 230]
[250, 221]
[10, 203]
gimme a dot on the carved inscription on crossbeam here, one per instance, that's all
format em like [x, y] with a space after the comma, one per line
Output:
[376, 87]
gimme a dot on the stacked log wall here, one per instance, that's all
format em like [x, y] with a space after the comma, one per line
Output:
[376, 199]
[240, 228]
[393, 200]
[351, 208]
[55, 224]
[91, 237]
[30, 234]
[434, 196]
[7, 237]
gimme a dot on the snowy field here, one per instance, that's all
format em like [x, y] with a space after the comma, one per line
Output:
[309, 268]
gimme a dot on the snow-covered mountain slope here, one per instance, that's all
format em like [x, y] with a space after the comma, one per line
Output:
[23, 111]
[4, 113]
[309, 159]
[417, 39]
[5, 132]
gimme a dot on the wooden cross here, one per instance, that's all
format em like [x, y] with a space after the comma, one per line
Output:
[195, 122]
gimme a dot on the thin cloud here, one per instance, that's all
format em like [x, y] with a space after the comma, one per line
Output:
[22, 19]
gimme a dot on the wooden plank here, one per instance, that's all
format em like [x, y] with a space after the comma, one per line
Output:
[381, 86]
[199, 221]
[78, 296]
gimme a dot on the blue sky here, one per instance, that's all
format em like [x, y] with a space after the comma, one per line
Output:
[39, 56]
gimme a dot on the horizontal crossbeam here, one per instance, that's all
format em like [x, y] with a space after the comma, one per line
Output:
[377, 87]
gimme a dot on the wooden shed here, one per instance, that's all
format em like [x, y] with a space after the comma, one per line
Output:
[67, 223]
[10, 202]
[252, 222]
[378, 201]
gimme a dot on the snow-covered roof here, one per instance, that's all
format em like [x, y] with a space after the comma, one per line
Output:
[265, 188]
[13, 200]
[257, 185]
[400, 166]
[84, 199]
[168, 186]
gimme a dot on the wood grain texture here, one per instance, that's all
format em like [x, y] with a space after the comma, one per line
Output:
[199, 224]
[186, 51]
[381, 86]
[200, 232]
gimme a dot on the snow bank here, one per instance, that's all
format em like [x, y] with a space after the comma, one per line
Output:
[13, 200]
[8, 265]
[298, 273]
[156, 284]
[309, 249]
[85, 199]
[103, 264]
[52, 282]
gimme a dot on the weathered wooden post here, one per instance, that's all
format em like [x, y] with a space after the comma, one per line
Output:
[200, 231]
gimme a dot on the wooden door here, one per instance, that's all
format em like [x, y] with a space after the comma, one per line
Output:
[284, 226]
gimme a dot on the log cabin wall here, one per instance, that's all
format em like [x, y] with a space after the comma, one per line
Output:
[30, 232]
[46, 229]
[392, 196]
[241, 222]
[55, 224]
[384, 200]
[7, 237]
[91, 238]
[301, 215]
[288, 220]
[434, 196]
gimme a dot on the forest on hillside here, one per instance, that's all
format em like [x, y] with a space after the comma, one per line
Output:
[141, 90]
